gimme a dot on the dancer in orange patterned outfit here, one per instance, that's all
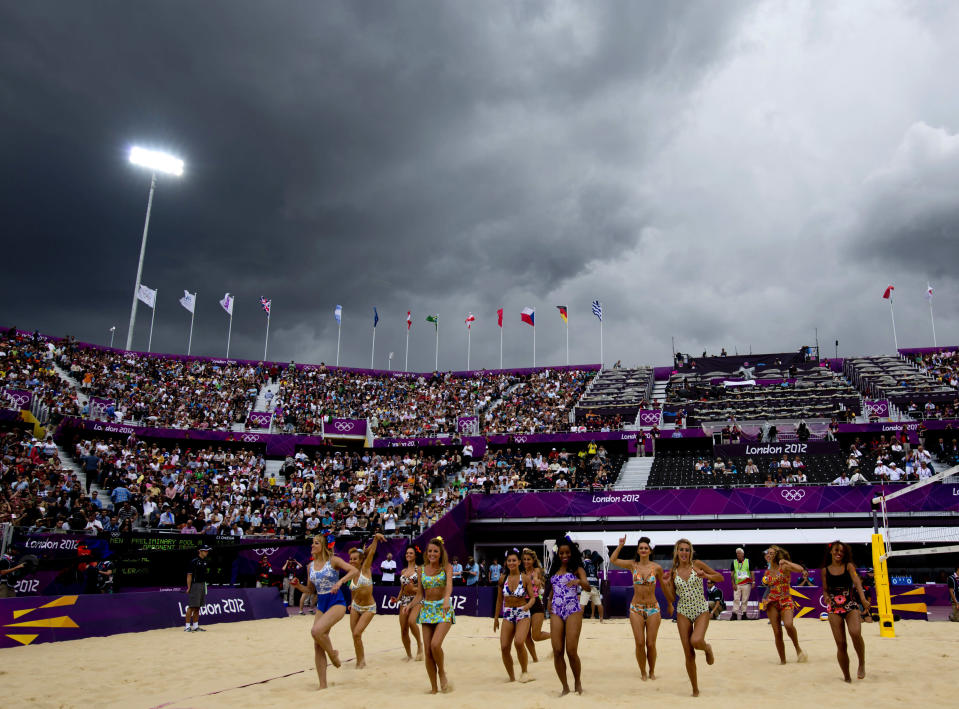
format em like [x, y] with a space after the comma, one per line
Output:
[779, 603]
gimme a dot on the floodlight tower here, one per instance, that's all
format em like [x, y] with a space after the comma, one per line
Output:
[156, 162]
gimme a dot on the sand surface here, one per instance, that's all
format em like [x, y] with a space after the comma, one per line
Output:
[170, 668]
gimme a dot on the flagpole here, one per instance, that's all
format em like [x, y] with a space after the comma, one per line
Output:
[567, 337]
[468, 334]
[534, 340]
[229, 332]
[893, 316]
[436, 364]
[406, 364]
[189, 344]
[601, 358]
[500, 346]
[266, 344]
[339, 327]
[152, 317]
[933, 321]
[373, 352]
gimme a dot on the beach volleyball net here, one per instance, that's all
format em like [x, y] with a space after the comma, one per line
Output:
[893, 538]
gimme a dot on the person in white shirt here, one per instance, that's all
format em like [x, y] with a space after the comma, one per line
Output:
[881, 472]
[924, 470]
[858, 479]
[842, 480]
[893, 472]
[388, 569]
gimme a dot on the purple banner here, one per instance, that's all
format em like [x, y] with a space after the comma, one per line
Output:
[709, 501]
[345, 428]
[895, 427]
[17, 399]
[650, 417]
[878, 407]
[259, 419]
[792, 448]
[44, 619]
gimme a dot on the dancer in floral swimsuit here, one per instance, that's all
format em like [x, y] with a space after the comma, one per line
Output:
[846, 601]
[436, 614]
[644, 615]
[684, 585]
[409, 582]
[537, 591]
[779, 601]
[566, 578]
[512, 599]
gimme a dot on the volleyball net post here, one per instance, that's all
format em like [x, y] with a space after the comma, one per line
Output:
[880, 570]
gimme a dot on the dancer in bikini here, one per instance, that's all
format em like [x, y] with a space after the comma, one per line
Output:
[537, 590]
[684, 586]
[325, 581]
[842, 592]
[409, 582]
[779, 602]
[644, 611]
[363, 607]
[435, 610]
[514, 603]
[566, 579]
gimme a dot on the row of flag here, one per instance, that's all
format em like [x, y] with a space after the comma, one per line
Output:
[527, 315]
[887, 294]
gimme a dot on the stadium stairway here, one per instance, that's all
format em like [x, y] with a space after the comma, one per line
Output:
[82, 398]
[635, 474]
[68, 463]
[659, 392]
[273, 471]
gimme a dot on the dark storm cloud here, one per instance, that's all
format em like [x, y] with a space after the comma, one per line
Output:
[337, 152]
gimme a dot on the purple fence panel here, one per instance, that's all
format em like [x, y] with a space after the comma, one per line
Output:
[345, 428]
[790, 449]
[259, 419]
[43, 619]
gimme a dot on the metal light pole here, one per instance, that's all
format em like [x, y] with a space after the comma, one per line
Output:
[157, 162]
[113, 331]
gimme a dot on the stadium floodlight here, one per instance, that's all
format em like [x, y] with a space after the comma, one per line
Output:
[155, 161]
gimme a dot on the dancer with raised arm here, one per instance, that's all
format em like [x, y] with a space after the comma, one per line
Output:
[644, 611]
[842, 593]
[537, 590]
[514, 603]
[363, 607]
[435, 611]
[409, 583]
[566, 579]
[684, 586]
[325, 581]
[779, 603]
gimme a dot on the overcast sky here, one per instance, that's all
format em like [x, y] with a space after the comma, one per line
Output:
[728, 174]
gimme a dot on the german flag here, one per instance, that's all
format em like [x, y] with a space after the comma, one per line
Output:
[563, 313]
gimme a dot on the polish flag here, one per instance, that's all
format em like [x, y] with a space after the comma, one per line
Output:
[409, 320]
[470, 318]
[888, 293]
[528, 316]
[499, 317]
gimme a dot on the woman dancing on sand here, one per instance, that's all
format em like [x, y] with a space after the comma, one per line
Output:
[435, 610]
[684, 586]
[325, 582]
[514, 603]
[537, 591]
[644, 611]
[409, 582]
[779, 602]
[842, 592]
[363, 607]
[566, 578]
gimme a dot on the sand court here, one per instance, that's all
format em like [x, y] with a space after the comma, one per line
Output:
[268, 663]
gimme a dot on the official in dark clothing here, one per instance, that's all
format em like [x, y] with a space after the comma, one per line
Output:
[196, 579]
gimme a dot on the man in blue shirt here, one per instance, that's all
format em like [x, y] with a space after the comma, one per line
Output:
[494, 572]
[471, 572]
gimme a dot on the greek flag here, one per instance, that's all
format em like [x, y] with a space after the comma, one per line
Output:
[598, 310]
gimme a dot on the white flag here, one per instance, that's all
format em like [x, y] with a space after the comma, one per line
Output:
[227, 304]
[188, 300]
[147, 295]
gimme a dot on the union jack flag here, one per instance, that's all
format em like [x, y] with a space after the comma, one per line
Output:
[266, 304]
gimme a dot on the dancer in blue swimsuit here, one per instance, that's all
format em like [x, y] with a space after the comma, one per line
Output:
[566, 578]
[325, 582]
[644, 614]
[684, 586]
[513, 599]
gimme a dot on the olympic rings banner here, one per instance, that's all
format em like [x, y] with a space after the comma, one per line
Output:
[44, 619]
[345, 428]
[811, 499]
[16, 399]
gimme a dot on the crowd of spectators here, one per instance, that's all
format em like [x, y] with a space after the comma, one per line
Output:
[509, 470]
[25, 364]
[891, 458]
[164, 391]
[399, 406]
